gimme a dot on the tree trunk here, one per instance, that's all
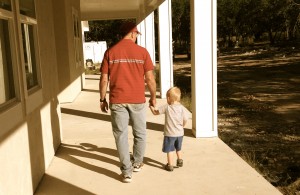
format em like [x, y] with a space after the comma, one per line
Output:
[271, 38]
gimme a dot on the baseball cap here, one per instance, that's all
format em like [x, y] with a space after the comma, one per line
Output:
[128, 27]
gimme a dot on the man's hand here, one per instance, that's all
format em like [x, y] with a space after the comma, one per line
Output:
[104, 106]
[102, 88]
[152, 102]
[150, 80]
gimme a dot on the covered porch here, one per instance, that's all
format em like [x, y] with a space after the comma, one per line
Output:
[203, 49]
[87, 163]
[55, 140]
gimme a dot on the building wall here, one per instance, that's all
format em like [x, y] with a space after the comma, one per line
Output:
[70, 72]
[30, 134]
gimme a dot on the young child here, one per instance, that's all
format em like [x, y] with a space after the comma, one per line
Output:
[176, 116]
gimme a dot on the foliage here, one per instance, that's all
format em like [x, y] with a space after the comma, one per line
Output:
[104, 30]
[279, 19]
[181, 25]
[108, 30]
[246, 18]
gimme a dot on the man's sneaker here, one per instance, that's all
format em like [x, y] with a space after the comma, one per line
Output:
[169, 167]
[179, 162]
[126, 178]
[137, 167]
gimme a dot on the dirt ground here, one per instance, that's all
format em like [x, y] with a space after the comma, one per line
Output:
[259, 109]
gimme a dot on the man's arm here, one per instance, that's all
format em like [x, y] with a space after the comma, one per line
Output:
[150, 80]
[103, 88]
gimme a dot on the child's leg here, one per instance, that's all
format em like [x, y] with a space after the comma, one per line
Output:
[179, 154]
[179, 159]
[168, 147]
[169, 166]
[178, 145]
[170, 157]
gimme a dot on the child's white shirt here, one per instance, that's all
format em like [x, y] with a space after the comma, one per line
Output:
[175, 114]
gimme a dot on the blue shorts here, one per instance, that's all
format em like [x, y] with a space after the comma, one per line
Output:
[172, 143]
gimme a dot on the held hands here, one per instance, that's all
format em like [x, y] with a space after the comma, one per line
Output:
[104, 106]
[154, 110]
[152, 102]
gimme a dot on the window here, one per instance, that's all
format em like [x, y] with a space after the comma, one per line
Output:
[77, 40]
[5, 4]
[29, 55]
[27, 8]
[18, 54]
[29, 39]
[7, 64]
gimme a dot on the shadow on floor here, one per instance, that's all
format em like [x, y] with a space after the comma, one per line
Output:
[70, 152]
[64, 187]
[104, 117]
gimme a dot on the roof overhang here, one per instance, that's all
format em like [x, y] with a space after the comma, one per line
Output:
[117, 9]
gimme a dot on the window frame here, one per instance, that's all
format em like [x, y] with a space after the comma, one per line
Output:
[33, 96]
[76, 37]
[9, 17]
[13, 108]
[33, 22]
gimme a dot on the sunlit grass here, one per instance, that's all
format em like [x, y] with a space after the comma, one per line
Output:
[186, 101]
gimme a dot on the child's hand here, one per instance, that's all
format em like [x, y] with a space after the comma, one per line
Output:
[154, 110]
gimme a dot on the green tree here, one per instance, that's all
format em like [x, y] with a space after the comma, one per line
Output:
[227, 11]
[181, 25]
[292, 16]
[244, 18]
[104, 30]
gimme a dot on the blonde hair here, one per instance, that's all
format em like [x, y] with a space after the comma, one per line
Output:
[174, 94]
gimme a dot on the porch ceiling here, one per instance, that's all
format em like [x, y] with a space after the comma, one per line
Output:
[117, 9]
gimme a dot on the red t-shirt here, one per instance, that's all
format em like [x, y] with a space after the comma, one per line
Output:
[126, 64]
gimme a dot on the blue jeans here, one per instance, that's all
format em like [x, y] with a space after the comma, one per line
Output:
[120, 116]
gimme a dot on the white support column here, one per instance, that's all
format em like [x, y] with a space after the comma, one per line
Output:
[165, 47]
[204, 67]
[141, 39]
[147, 39]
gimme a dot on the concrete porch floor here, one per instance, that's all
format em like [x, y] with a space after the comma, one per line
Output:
[87, 163]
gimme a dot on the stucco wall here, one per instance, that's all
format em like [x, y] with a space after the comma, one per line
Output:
[27, 148]
[70, 74]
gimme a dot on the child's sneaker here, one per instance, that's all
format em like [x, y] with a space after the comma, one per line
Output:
[169, 167]
[137, 167]
[179, 162]
[126, 178]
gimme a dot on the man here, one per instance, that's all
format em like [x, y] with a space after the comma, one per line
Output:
[126, 67]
